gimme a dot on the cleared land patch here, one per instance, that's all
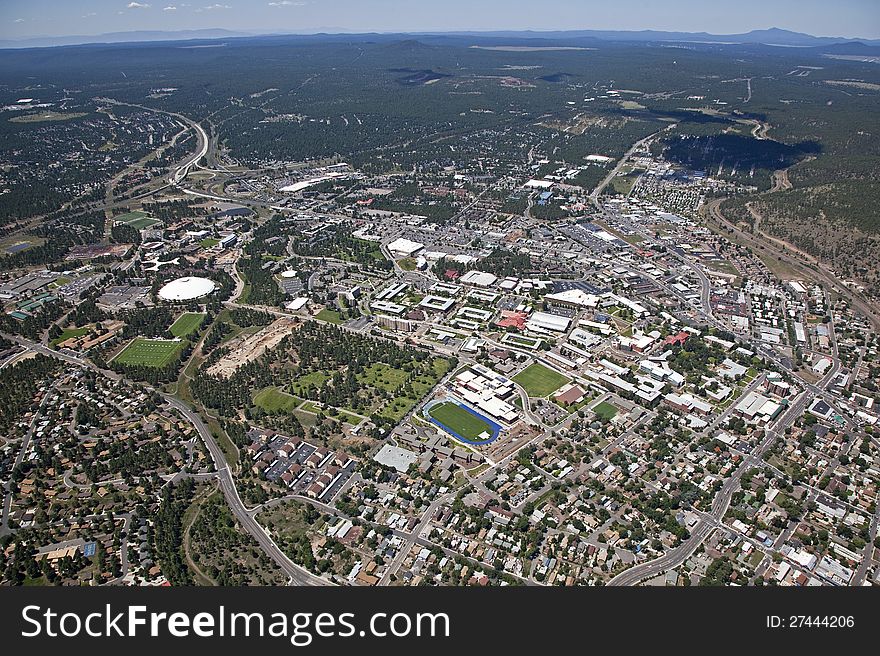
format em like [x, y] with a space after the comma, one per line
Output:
[137, 220]
[605, 411]
[46, 117]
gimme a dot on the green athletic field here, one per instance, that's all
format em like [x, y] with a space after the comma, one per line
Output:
[537, 380]
[461, 421]
[187, 323]
[137, 220]
[605, 410]
[149, 352]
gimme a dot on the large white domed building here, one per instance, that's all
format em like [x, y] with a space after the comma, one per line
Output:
[186, 289]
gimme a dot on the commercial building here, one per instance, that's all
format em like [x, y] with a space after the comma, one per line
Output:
[544, 321]
[478, 279]
[402, 247]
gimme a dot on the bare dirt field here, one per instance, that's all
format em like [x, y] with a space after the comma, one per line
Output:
[251, 347]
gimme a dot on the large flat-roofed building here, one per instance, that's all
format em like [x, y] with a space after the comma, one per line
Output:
[388, 307]
[543, 321]
[486, 390]
[687, 403]
[404, 247]
[391, 291]
[573, 298]
[394, 323]
[393, 456]
[437, 303]
[478, 279]
[758, 408]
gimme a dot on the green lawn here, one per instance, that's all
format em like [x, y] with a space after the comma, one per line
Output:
[330, 316]
[187, 323]
[383, 376]
[209, 242]
[314, 408]
[316, 378]
[605, 410]
[460, 420]
[537, 380]
[67, 333]
[149, 352]
[271, 399]
[421, 385]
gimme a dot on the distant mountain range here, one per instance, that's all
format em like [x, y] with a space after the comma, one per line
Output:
[773, 36]
[120, 37]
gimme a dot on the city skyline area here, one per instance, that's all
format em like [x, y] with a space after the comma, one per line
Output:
[315, 315]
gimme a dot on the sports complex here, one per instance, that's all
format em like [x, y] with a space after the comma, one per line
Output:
[461, 421]
[186, 289]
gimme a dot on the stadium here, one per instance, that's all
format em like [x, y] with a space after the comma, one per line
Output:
[186, 289]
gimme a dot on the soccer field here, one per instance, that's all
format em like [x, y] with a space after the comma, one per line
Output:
[186, 323]
[149, 352]
[461, 422]
[538, 380]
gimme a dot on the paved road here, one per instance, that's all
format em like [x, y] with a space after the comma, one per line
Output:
[676, 556]
[297, 574]
[814, 272]
[594, 195]
[7, 500]
[183, 169]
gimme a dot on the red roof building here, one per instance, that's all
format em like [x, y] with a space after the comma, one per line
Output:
[512, 320]
[680, 339]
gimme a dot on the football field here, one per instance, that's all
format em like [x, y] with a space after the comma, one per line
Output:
[149, 352]
[463, 423]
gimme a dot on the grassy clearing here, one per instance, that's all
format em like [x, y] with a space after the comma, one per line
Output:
[605, 411]
[209, 242]
[342, 415]
[271, 399]
[330, 316]
[137, 220]
[315, 379]
[187, 323]
[68, 333]
[383, 376]
[44, 117]
[539, 381]
[421, 385]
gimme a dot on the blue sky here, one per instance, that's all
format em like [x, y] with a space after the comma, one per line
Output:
[848, 18]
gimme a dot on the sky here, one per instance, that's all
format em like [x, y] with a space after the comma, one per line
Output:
[838, 18]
